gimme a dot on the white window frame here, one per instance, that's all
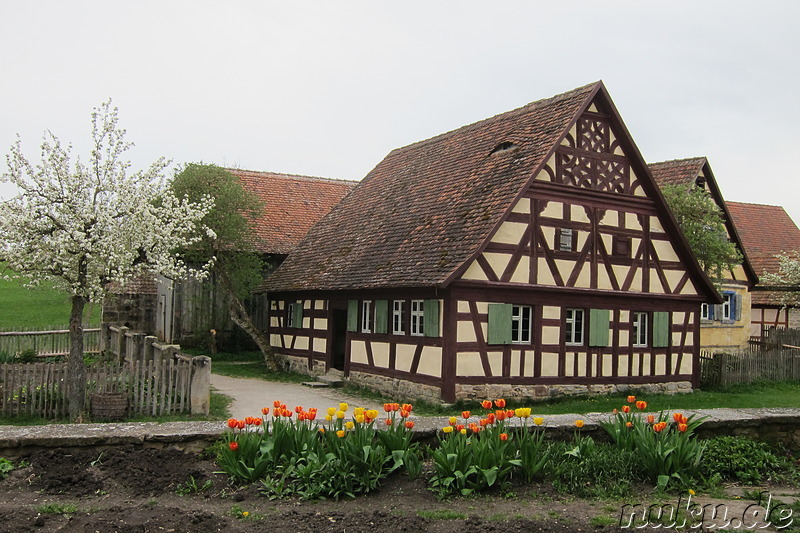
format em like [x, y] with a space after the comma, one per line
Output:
[366, 316]
[565, 240]
[704, 311]
[639, 329]
[398, 316]
[521, 319]
[290, 314]
[574, 335]
[418, 317]
[727, 306]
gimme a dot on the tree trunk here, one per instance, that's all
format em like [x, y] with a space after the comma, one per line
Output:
[241, 318]
[76, 369]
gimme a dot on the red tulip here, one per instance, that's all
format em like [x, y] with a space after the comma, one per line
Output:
[298, 408]
[641, 405]
[503, 436]
[651, 419]
[265, 411]
[389, 421]
[500, 403]
[631, 399]
[233, 445]
[276, 404]
[409, 424]
[232, 423]
[407, 407]
[465, 414]
[486, 404]
[626, 409]
[683, 427]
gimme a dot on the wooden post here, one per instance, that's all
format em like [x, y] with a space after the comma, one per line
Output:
[137, 345]
[122, 343]
[105, 336]
[200, 391]
[148, 349]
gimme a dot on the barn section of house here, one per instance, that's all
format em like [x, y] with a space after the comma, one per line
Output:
[177, 311]
[767, 231]
[525, 255]
[724, 326]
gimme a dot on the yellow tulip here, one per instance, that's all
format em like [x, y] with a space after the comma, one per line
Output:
[359, 419]
[340, 414]
[372, 413]
[343, 406]
[463, 431]
[331, 411]
[349, 424]
[447, 429]
[453, 420]
[358, 411]
[538, 420]
[340, 433]
[328, 418]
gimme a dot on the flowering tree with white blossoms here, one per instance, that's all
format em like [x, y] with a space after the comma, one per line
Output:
[787, 278]
[88, 225]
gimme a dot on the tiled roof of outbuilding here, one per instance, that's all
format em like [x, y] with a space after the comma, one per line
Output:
[428, 207]
[766, 231]
[291, 206]
[677, 171]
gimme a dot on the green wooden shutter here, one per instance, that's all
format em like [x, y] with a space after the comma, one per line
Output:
[298, 314]
[499, 324]
[598, 327]
[381, 316]
[660, 329]
[430, 315]
[352, 315]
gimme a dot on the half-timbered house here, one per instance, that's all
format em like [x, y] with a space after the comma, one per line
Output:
[528, 254]
[724, 326]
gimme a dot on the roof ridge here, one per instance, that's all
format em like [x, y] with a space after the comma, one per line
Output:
[290, 176]
[753, 203]
[684, 160]
[526, 107]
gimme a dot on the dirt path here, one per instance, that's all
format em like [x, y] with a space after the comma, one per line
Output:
[251, 394]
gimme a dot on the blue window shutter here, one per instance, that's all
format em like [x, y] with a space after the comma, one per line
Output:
[711, 311]
[381, 316]
[430, 315]
[352, 315]
[598, 327]
[499, 324]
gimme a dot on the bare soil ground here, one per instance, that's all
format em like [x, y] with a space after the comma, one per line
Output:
[126, 489]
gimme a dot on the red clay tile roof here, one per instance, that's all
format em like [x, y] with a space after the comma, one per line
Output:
[292, 205]
[766, 231]
[677, 171]
[684, 172]
[427, 207]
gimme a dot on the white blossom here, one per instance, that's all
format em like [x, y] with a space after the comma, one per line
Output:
[89, 224]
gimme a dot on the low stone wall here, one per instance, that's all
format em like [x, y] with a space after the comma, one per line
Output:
[544, 392]
[776, 426]
[397, 388]
[300, 365]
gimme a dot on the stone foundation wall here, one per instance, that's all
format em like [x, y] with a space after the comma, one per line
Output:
[300, 365]
[543, 392]
[399, 389]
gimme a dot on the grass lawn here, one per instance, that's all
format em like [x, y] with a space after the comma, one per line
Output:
[246, 365]
[41, 308]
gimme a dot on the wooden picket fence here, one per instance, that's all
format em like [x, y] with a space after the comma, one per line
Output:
[758, 363]
[47, 343]
[156, 387]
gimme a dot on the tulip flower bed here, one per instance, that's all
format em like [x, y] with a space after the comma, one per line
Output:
[291, 455]
[347, 454]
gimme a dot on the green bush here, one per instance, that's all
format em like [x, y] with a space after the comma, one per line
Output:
[740, 459]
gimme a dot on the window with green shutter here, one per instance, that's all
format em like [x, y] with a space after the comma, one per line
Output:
[298, 314]
[352, 315]
[598, 327]
[431, 318]
[381, 316]
[499, 324]
[660, 329]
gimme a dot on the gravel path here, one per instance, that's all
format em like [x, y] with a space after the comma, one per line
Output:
[251, 394]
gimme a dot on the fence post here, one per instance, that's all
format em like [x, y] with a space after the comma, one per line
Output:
[105, 336]
[148, 350]
[122, 343]
[137, 345]
[200, 388]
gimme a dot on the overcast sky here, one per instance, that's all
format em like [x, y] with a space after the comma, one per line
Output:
[328, 88]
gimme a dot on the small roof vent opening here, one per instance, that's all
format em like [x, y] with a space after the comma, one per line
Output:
[700, 182]
[504, 147]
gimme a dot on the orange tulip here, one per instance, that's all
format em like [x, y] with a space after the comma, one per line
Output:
[631, 398]
[677, 417]
[276, 404]
[257, 422]
[389, 421]
[233, 445]
[407, 407]
[276, 412]
[683, 427]
[651, 419]
[491, 418]
[626, 409]
[614, 411]
[404, 413]
[340, 433]
[579, 423]
[500, 403]
[658, 428]
[503, 436]
[629, 424]
[510, 413]
[476, 429]
[486, 404]
[298, 408]
[409, 424]
[684, 420]
[311, 415]
[240, 424]
[641, 405]
[459, 427]
[483, 422]
[232, 423]
[465, 414]
[265, 411]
